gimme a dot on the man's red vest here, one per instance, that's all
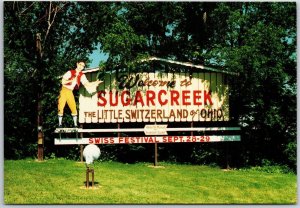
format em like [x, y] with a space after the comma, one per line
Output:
[73, 75]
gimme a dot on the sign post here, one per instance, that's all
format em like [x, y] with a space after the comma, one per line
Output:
[155, 130]
[40, 145]
[39, 104]
[155, 154]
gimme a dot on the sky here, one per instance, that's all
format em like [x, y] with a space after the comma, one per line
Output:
[96, 57]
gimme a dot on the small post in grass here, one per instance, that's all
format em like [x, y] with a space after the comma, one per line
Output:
[88, 171]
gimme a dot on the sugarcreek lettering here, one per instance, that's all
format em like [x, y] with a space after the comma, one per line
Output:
[154, 98]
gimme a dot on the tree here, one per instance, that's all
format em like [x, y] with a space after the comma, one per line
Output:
[30, 79]
[258, 41]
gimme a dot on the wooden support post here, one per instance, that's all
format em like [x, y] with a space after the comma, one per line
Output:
[119, 134]
[227, 157]
[39, 100]
[40, 145]
[81, 146]
[155, 154]
[81, 153]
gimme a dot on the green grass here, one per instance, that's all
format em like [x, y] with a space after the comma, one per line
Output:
[61, 181]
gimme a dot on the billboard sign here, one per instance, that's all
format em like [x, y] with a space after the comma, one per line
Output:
[156, 97]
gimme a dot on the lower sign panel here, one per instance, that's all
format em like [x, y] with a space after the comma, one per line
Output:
[146, 139]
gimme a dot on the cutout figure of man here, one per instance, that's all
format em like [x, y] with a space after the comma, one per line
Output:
[71, 80]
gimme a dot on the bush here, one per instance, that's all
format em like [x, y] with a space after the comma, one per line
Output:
[268, 166]
[291, 153]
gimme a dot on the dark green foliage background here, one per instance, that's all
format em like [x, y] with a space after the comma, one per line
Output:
[257, 40]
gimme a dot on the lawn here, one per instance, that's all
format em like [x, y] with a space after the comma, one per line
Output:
[60, 181]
